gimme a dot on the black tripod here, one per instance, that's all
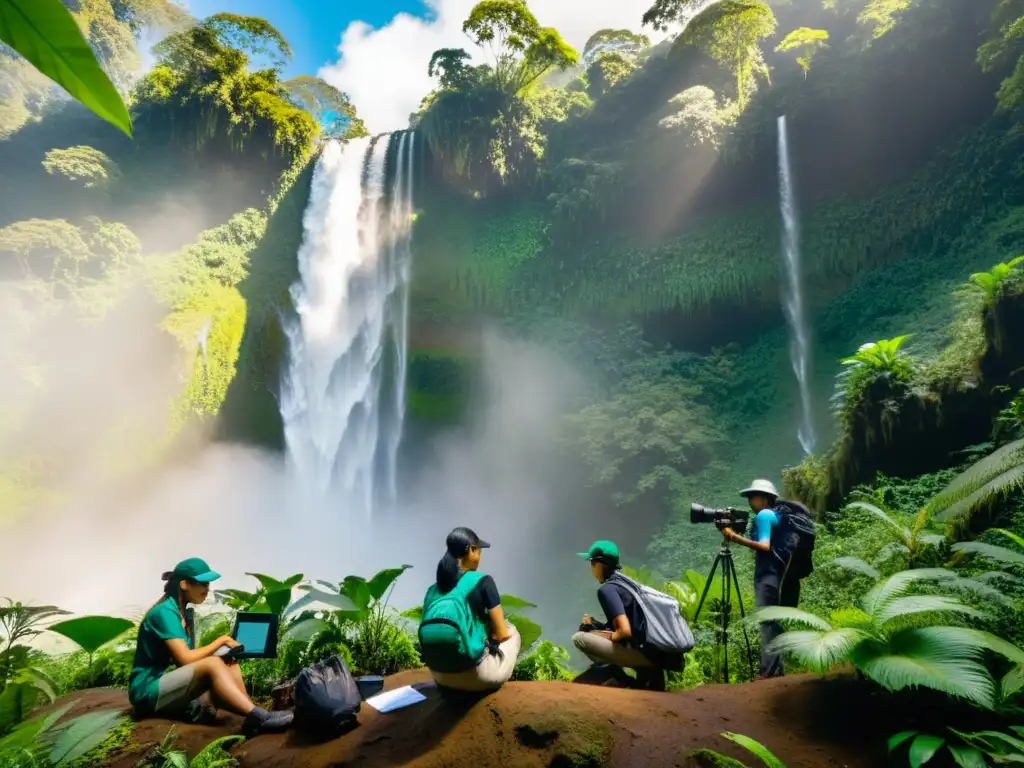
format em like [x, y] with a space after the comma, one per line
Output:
[729, 578]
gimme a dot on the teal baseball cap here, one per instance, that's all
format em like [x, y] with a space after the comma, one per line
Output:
[601, 550]
[194, 569]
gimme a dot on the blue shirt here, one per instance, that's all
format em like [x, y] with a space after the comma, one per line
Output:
[765, 520]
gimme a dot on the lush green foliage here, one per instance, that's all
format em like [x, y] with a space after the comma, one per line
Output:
[897, 638]
[756, 748]
[968, 750]
[213, 755]
[1005, 43]
[805, 42]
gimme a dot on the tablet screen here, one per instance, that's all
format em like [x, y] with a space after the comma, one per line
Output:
[253, 635]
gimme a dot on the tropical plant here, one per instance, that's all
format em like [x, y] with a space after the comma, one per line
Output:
[1004, 555]
[213, 755]
[806, 42]
[47, 35]
[968, 750]
[21, 623]
[1005, 43]
[990, 285]
[910, 539]
[90, 633]
[730, 32]
[273, 595]
[1011, 418]
[880, 16]
[359, 619]
[547, 662]
[43, 740]
[882, 359]
[756, 748]
[881, 642]
[981, 485]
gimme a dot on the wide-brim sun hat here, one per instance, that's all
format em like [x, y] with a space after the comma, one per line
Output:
[762, 487]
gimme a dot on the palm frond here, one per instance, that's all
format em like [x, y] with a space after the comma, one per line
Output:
[857, 565]
[979, 587]
[932, 539]
[1010, 535]
[882, 515]
[990, 552]
[1012, 682]
[898, 584]
[933, 657]
[791, 615]
[992, 477]
[977, 639]
[914, 604]
[819, 651]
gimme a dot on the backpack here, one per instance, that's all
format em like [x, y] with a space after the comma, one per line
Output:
[664, 626]
[326, 699]
[796, 535]
[451, 638]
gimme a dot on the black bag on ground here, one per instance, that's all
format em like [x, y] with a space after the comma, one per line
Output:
[796, 537]
[326, 699]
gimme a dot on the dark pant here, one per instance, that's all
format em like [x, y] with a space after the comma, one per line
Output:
[772, 589]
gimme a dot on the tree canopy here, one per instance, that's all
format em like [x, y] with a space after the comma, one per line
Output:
[665, 13]
[730, 32]
[1006, 42]
[332, 108]
[806, 42]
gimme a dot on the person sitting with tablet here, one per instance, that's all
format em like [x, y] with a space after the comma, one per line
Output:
[204, 678]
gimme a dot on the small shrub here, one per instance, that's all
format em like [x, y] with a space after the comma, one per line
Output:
[546, 663]
[382, 648]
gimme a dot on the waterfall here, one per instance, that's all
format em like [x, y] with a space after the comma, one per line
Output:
[343, 389]
[799, 349]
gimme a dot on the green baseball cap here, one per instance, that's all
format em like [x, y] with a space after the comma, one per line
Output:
[194, 569]
[601, 549]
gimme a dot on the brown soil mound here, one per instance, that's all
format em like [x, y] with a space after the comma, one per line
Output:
[806, 721]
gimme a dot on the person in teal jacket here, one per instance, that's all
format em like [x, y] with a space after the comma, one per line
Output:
[201, 681]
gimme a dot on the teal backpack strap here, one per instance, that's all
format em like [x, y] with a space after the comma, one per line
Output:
[468, 581]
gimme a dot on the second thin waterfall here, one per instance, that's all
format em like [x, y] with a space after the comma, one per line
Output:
[342, 395]
[794, 299]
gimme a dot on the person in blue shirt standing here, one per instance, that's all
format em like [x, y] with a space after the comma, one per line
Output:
[771, 587]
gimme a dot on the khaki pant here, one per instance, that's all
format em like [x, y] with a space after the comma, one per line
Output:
[603, 651]
[493, 671]
[177, 690]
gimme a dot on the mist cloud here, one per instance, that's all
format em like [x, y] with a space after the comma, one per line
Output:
[384, 70]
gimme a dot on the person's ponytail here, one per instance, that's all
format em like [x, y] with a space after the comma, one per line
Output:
[448, 572]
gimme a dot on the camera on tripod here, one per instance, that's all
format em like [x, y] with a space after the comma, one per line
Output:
[726, 517]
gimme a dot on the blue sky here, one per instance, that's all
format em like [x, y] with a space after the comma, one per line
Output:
[313, 27]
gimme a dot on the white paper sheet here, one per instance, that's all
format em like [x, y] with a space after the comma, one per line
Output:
[396, 699]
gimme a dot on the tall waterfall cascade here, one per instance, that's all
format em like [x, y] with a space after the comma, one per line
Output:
[343, 388]
[799, 349]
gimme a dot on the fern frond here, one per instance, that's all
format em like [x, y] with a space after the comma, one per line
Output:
[994, 476]
[1010, 535]
[914, 604]
[979, 587]
[890, 549]
[790, 615]
[857, 565]
[819, 651]
[933, 657]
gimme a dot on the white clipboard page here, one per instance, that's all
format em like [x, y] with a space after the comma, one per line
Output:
[396, 699]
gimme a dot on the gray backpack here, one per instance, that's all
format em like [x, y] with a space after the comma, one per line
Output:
[665, 629]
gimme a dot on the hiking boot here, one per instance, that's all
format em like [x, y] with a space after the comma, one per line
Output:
[260, 721]
[650, 679]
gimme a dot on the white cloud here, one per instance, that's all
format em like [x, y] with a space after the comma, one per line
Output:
[384, 71]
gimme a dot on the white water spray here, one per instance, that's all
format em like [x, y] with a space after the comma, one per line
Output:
[799, 349]
[342, 394]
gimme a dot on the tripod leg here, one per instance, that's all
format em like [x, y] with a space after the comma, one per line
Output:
[726, 610]
[743, 615]
[707, 586]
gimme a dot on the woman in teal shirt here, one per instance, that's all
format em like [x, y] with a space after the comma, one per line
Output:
[201, 682]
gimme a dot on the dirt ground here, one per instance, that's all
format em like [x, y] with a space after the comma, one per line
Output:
[808, 722]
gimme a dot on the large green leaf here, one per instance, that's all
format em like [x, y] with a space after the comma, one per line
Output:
[967, 756]
[897, 739]
[898, 584]
[73, 739]
[513, 603]
[379, 584]
[529, 632]
[898, 528]
[413, 614]
[24, 735]
[91, 633]
[270, 584]
[16, 703]
[46, 34]
[304, 629]
[757, 748]
[923, 749]
[357, 590]
[313, 595]
[857, 565]
[278, 601]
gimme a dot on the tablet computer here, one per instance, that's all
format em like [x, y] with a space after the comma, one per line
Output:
[258, 633]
